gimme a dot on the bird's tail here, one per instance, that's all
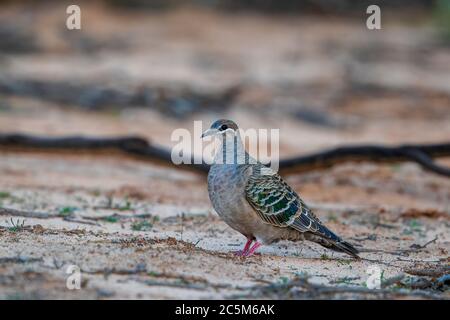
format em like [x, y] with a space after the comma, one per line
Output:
[334, 243]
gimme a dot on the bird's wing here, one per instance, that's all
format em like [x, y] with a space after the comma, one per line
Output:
[276, 203]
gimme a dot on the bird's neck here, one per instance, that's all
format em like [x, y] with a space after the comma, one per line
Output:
[231, 150]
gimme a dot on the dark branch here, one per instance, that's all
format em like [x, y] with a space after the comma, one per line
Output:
[25, 214]
[422, 154]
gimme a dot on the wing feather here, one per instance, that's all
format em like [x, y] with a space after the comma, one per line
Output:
[276, 203]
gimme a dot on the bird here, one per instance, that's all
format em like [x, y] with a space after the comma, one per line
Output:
[254, 200]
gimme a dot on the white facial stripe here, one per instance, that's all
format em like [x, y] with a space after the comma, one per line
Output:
[227, 130]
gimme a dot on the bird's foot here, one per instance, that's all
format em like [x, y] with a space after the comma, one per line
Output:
[247, 252]
[244, 252]
[252, 250]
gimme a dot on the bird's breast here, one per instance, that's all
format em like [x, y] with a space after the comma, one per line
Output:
[226, 188]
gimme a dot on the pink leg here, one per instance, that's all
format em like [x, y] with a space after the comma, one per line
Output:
[253, 249]
[244, 251]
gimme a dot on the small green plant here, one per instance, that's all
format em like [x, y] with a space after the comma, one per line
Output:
[345, 280]
[343, 262]
[4, 195]
[17, 225]
[283, 280]
[382, 277]
[111, 219]
[324, 256]
[154, 274]
[412, 227]
[142, 225]
[441, 18]
[125, 207]
[414, 224]
[67, 211]
[332, 217]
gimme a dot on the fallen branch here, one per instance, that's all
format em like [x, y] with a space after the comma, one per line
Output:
[25, 214]
[417, 247]
[176, 280]
[130, 145]
[435, 272]
[420, 154]
[301, 288]
[41, 215]
[19, 259]
[75, 220]
[426, 213]
[118, 217]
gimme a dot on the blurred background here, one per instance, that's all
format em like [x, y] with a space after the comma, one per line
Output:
[142, 230]
[310, 68]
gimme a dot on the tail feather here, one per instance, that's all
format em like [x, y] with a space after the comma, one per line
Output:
[335, 243]
[346, 247]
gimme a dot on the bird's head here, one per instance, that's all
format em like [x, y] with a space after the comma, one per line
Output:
[221, 127]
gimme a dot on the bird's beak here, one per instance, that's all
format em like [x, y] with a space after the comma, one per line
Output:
[209, 132]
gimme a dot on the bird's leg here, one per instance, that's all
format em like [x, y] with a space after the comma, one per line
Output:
[244, 251]
[253, 249]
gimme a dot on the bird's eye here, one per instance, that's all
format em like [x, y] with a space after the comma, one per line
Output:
[223, 127]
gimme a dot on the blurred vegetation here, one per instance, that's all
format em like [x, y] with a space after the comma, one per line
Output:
[442, 18]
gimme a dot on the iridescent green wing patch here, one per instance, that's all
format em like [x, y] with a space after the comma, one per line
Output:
[273, 200]
[277, 204]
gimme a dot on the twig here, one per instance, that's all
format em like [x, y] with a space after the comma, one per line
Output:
[401, 252]
[27, 214]
[180, 281]
[182, 226]
[19, 259]
[118, 216]
[418, 246]
[176, 284]
[435, 272]
[393, 280]
[418, 261]
[75, 220]
[380, 262]
[41, 215]
[300, 287]
[419, 153]
[139, 269]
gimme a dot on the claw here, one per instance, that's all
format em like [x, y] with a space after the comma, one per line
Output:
[253, 249]
[247, 251]
[244, 252]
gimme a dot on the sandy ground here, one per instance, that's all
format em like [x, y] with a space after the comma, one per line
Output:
[140, 230]
[184, 249]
